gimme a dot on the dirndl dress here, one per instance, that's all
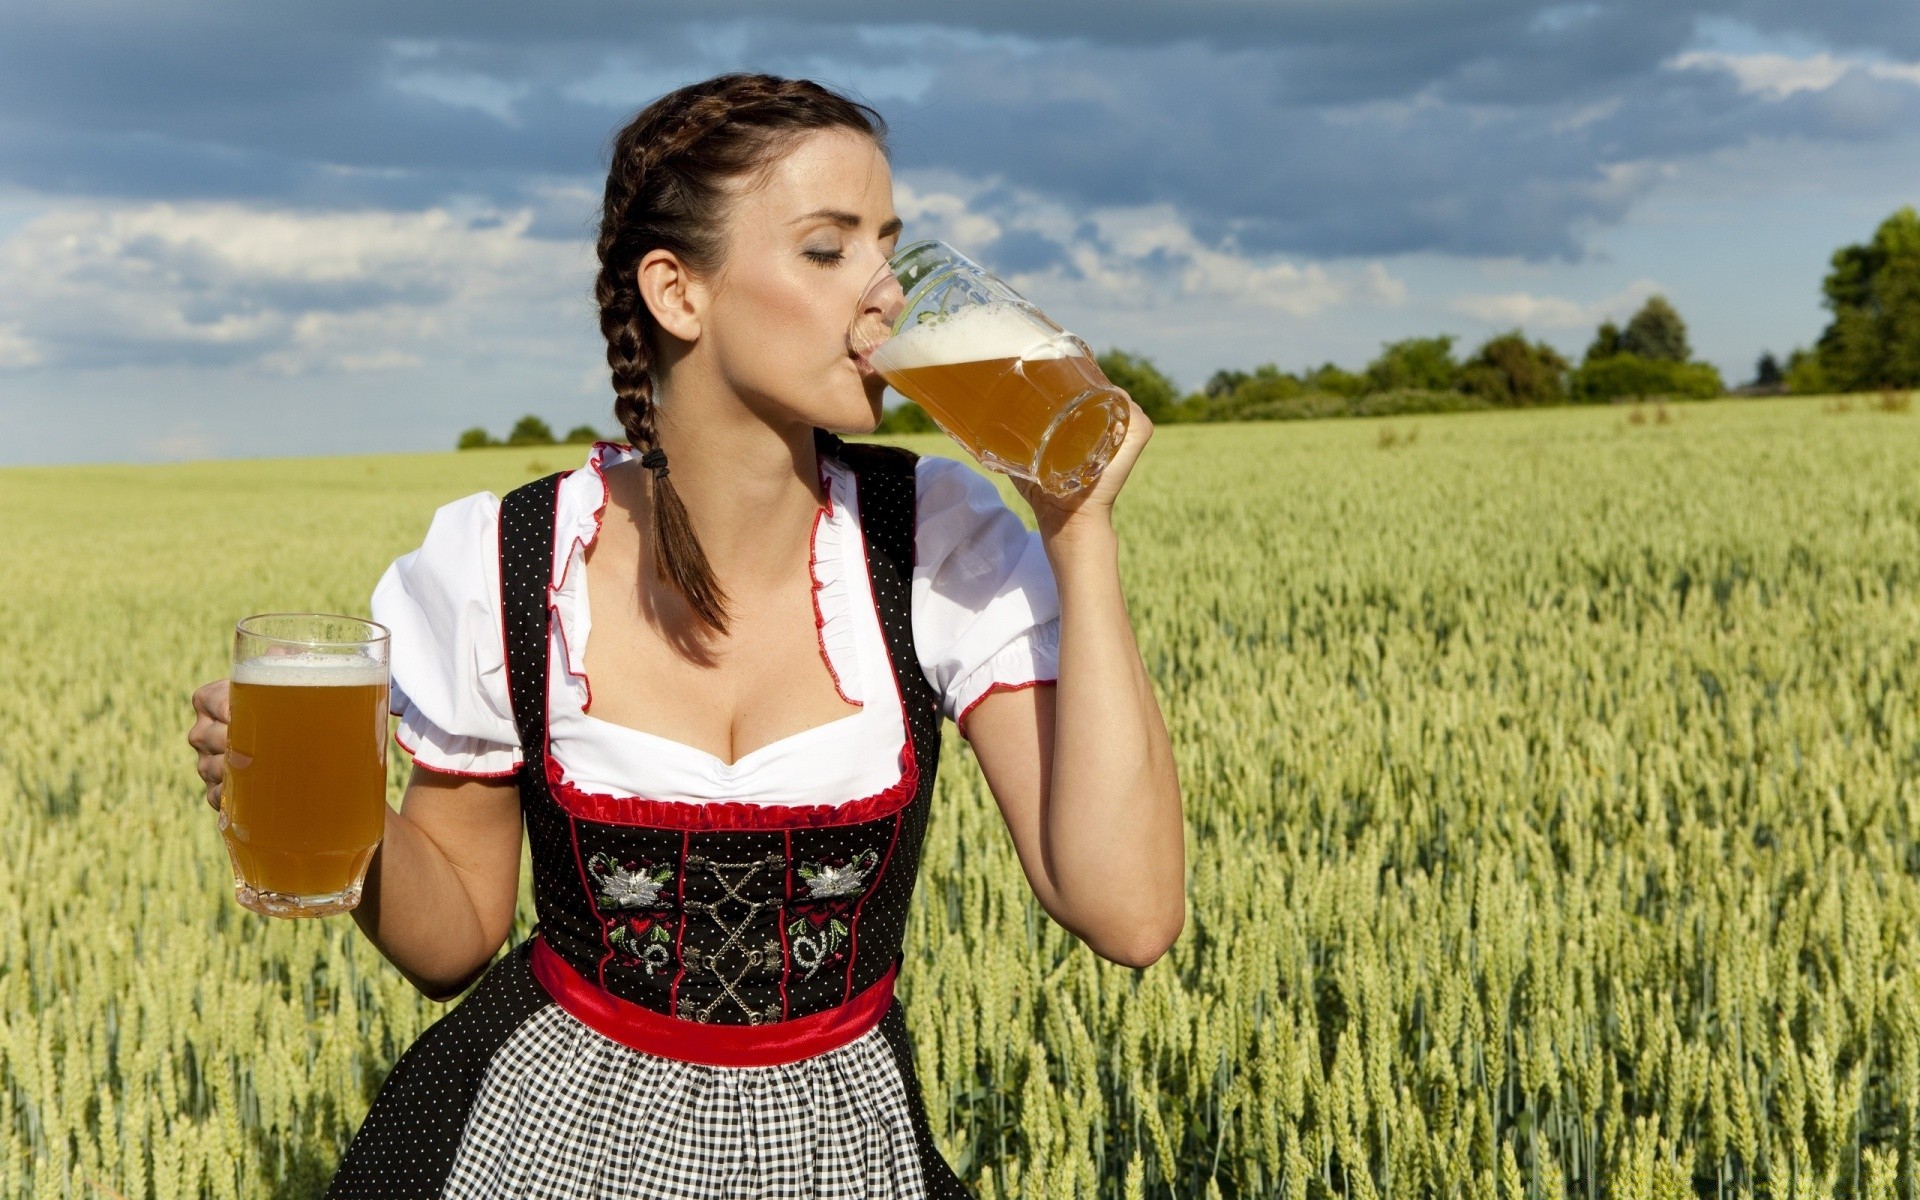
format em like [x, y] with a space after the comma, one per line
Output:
[706, 1005]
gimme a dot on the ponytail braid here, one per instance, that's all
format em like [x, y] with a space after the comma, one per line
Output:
[666, 189]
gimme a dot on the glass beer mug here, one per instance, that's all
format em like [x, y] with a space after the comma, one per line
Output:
[305, 800]
[1018, 392]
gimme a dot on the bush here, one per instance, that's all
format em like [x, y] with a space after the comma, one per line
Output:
[1329, 378]
[1510, 372]
[530, 431]
[1266, 386]
[476, 438]
[582, 434]
[1136, 374]
[1805, 375]
[1314, 406]
[1629, 376]
[906, 417]
[1414, 364]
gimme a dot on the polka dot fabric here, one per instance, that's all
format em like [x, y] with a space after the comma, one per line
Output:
[708, 922]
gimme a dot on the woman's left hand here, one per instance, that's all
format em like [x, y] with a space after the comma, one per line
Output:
[1090, 507]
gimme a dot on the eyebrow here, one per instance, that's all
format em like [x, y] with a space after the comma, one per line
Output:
[847, 220]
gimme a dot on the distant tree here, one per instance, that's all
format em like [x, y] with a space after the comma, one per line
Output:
[1508, 372]
[582, 433]
[1804, 374]
[1221, 383]
[1656, 332]
[1331, 379]
[1631, 377]
[1605, 344]
[1874, 293]
[530, 431]
[1152, 391]
[1420, 364]
[1264, 387]
[476, 438]
[906, 417]
[1767, 372]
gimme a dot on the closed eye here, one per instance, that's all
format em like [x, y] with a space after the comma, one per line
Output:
[824, 257]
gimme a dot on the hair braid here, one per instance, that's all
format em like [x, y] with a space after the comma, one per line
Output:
[666, 189]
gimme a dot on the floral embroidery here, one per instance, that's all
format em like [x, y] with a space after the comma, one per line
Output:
[641, 937]
[819, 929]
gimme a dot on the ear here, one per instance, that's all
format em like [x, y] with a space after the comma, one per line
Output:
[672, 294]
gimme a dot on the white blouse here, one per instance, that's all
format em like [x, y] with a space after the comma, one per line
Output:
[985, 618]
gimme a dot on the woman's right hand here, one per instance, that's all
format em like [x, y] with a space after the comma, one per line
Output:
[209, 736]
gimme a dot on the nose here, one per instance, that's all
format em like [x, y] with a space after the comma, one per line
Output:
[878, 309]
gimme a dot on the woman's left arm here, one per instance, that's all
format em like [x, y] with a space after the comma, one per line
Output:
[1083, 771]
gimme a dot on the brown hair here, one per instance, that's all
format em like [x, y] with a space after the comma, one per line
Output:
[667, 189]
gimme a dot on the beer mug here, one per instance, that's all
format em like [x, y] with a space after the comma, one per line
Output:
[305, 799]
[1018, 392]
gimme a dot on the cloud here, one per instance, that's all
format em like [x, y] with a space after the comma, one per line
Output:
[285, 291]
[1124, 257]
[1527, 310]
[1308, 128]
[16, 349]
[1777, 76]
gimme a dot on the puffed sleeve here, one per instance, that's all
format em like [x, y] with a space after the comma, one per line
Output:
[986, 612]
[441, 605]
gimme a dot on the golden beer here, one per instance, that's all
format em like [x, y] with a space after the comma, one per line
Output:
[304, 804]
[1018, 392]
[1005, 409]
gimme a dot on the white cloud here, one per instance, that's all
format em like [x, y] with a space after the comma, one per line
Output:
[1778, 76]
[1531, 311]
[945, 215]
[289, 292]
[16, 349]
[1138, 256]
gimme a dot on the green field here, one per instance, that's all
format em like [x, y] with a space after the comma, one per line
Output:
[1553, 795]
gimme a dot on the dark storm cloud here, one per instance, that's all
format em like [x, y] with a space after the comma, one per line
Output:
[1326, 127]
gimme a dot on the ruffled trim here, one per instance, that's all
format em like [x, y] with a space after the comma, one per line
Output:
[828, 562]
[579, 508]
[607, 809]
[434, 748]
[1029, 660]
[961, 723]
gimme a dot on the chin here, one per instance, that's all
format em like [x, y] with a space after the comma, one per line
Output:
[855, 411]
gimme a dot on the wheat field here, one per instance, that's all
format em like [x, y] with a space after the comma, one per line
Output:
[1553, 806]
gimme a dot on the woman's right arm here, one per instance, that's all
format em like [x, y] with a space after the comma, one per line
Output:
[440, 893]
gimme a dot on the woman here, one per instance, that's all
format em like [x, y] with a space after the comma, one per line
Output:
[724, 846]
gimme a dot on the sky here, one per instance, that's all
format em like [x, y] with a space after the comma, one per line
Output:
[241, 228]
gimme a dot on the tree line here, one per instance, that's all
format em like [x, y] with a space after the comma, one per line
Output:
[527, 431]
[1872, 343]
[1649, 357]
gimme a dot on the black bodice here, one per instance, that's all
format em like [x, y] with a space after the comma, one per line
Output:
[725, 912]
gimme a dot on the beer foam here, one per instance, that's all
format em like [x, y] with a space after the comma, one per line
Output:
[310, 670]
[976, 334]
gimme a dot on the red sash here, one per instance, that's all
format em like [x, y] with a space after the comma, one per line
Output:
[697, 1042]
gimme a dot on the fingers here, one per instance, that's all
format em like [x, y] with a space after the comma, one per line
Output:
[208, 737]
[212, 699]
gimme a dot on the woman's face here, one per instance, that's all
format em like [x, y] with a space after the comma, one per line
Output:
[801, 247]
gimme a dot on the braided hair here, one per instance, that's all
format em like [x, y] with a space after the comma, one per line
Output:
[666, 189]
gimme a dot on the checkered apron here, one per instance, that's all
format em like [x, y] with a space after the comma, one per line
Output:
[643, 1042]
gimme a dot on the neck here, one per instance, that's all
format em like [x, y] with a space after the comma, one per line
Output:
[750, 489]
